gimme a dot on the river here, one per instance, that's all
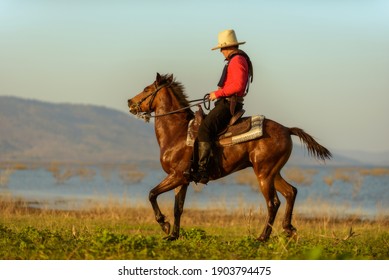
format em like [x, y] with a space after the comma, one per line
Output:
[338, 191]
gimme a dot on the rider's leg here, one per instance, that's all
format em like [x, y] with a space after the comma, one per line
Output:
[215, 121]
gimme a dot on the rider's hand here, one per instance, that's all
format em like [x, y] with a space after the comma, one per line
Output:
[212, 96]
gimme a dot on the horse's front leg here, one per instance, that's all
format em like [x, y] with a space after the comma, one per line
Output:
[169, 183]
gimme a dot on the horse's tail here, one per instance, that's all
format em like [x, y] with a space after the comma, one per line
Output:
[314, 148]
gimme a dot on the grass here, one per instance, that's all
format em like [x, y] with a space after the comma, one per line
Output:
[118, 232]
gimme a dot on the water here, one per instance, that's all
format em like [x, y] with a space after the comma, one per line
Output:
[347, 193]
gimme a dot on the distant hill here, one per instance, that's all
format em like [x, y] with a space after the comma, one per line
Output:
[32, 130]
[367, 158]
[300, 156]
[39, 131]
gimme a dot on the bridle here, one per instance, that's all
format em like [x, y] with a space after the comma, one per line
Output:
[147, 115]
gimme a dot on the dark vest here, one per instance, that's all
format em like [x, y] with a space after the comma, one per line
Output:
[228, 59]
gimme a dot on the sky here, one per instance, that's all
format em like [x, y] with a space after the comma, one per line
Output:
[320, 65]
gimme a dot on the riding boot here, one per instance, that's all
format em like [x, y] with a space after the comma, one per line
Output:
[204, 154]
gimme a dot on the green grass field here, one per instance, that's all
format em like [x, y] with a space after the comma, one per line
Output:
[112, 232]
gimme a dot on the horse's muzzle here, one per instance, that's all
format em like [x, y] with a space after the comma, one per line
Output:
[134, 108]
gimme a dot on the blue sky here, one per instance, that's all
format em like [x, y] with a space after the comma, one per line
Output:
[319, 65]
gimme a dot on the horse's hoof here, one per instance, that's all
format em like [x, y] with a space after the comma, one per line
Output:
[290, 231]
[263, 238]
[166, 227]
[170, 238]
[291, 235]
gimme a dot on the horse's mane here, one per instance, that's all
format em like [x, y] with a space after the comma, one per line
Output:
[178, 90]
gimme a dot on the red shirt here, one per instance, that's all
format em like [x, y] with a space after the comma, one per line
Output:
[237, 77]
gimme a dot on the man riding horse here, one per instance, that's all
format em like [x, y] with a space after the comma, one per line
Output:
[232, 87]
[266, 156]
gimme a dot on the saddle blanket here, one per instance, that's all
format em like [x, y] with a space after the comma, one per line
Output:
[256, 131]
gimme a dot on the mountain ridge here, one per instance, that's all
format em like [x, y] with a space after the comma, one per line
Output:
[33, 130]
[41, 131]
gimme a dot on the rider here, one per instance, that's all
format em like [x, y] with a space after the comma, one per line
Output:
[232, 87]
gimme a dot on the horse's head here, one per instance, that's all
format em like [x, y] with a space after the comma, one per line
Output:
[143, 102]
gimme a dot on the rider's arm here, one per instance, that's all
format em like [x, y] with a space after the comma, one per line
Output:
[237, 76]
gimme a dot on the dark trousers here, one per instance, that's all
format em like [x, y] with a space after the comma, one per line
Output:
[216, 120]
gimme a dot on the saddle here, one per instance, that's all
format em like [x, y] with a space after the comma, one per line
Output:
[239, 129]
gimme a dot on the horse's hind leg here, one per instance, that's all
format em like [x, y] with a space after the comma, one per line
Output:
[272, 203]
[290, 193]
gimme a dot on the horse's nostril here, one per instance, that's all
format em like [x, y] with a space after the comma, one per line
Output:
[133, 108]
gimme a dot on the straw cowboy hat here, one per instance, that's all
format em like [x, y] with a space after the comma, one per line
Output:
[227, 38]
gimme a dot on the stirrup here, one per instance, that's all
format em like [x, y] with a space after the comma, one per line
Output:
[204, 179]
[199, 177]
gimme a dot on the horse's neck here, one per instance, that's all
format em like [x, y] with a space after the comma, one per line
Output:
[171, 129]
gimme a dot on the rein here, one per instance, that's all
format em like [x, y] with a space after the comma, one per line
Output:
[146, 115]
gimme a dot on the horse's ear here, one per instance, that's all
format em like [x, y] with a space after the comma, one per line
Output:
[170, 79]
[158, 78]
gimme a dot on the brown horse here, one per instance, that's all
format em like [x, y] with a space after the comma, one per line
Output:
[266, 155]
